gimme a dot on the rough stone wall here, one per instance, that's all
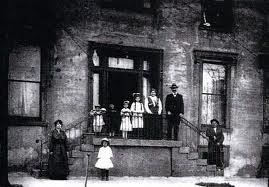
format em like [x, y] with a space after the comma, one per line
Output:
[23, 151]
[175, 30]
[67, 96]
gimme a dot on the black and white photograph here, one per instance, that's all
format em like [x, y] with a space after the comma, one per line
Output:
[134, 93]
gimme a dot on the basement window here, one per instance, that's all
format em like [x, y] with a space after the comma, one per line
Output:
[134, 5]
[217, 15]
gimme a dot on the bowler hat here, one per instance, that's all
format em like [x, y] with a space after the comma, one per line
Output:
[212, 120]
[173, 86]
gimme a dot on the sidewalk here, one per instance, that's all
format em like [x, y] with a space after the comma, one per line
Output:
[28, 181]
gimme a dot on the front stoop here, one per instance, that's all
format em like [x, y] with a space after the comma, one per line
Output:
[183, 161]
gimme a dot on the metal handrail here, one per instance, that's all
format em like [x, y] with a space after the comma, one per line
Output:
[193, 127]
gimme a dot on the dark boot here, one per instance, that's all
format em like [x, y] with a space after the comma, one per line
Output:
[107, 173]
[102, 174]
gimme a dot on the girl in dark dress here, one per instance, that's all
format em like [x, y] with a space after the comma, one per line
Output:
[58, 161]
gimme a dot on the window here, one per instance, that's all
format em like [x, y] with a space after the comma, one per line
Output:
[213, 93]
[137, 5]
[119, 71]
[216, 15]
[24, 82]
[216, 71]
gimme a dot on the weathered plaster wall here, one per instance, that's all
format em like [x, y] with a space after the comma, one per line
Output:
[175, 30]
[178, 35]
[23, 151]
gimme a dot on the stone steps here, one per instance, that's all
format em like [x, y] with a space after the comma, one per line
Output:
[184, 162]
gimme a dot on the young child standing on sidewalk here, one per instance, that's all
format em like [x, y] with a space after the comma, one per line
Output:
[126, 125]
[104, 162]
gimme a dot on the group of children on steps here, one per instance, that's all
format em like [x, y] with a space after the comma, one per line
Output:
[131, 118]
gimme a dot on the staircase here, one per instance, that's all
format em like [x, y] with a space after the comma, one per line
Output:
[183, 160]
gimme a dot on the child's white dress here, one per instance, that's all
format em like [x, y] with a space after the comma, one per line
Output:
[98, 120]
[126, 124]
[137, 119]
[104, 161]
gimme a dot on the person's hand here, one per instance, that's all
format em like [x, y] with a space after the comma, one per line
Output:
[181, 115]
[169, 113]
[51, 153]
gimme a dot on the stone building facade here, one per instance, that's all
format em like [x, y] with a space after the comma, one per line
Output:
[167, 35]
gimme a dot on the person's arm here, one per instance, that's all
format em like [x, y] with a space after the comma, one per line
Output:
[160, 106]
[167, 105]
[147, 106]
[142, 108]
[220, 139]
[208, 133]
[132, 107]
[181, 105]
[99, 153]
[51, 143]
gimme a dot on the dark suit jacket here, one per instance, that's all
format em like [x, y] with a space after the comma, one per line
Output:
[174, 104]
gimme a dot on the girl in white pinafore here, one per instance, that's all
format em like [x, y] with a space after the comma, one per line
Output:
[104, 162]
[98, 119]
[137, 109]
[126, 125]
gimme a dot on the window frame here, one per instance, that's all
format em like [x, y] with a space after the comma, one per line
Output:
[103, 69]
[226, 28]
[229, 60]
[227, 77]
[45, 60]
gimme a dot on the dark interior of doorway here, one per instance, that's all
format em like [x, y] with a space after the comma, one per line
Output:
[121, 86]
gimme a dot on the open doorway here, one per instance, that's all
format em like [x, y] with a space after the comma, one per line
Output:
[121, 86]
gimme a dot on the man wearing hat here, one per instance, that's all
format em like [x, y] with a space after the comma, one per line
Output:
[174, 107]
[215, 144]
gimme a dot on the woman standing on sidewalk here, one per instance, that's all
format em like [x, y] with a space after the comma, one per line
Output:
[58, 160]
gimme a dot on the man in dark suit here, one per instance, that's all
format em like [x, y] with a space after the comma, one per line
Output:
[174, 107]
[215, 144]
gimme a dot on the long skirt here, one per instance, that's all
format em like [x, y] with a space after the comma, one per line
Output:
[58, 163]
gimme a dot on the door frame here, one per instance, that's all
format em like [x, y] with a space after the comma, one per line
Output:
[138, 53]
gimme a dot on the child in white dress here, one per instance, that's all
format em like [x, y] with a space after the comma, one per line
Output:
[126, 125]
[137, 109]
[98, 119]
[104, 162]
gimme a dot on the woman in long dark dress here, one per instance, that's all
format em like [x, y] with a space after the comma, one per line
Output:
[58, 160]
[215, 144]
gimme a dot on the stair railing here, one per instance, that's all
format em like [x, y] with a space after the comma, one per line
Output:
[193, 127]
[190, 134]
[73, 139]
